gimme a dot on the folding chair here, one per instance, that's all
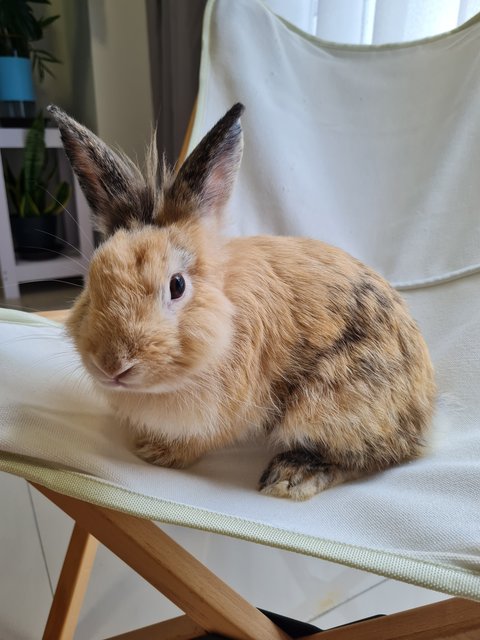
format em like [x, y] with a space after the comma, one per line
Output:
[372, 149]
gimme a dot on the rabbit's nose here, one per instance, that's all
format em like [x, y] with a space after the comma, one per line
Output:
[115, 373]
[122, 373]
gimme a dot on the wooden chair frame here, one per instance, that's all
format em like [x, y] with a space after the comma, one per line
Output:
[210, 605]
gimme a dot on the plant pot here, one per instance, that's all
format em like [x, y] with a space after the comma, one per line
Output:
[17, 94]
[35, 238]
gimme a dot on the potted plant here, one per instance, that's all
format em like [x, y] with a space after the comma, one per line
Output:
[19, 29]
[34, 204]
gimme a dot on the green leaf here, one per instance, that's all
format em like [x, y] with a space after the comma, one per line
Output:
[13, 199]
[39, 197]
[45, 55]
[48, 20]
[63, 193]
[23, 203]
[44, 70]
[31, 207]
[48, 176]
[34, 153]
[41, 71]
[12, 184]
[40, 59]
[60, 197]
[8, 173]
[11, 192]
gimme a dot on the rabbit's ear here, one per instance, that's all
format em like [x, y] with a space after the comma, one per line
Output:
[115, 189]
[205, 180]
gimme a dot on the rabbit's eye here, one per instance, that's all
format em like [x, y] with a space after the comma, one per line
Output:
[177, 286]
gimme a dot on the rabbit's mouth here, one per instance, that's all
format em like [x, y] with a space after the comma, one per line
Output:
[115, 384]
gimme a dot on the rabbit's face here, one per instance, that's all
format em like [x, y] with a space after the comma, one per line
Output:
[153, 313]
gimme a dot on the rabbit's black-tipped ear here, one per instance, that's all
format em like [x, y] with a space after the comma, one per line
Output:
[205, 181]
[113, 186]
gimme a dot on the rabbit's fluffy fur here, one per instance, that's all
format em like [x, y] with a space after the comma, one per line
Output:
[288, 337]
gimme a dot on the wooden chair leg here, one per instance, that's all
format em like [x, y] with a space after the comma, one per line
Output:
[71, 587]
[206, 600]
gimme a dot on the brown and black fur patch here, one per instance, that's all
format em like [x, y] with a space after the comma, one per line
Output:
[364, 315]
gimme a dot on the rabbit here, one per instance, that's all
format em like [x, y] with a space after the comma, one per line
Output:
[199, 341]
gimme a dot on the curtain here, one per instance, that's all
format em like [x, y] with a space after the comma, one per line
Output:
[175, 31]
[375, 21]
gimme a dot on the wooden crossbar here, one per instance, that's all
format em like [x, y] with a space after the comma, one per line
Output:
[454, 619]
[181, 628]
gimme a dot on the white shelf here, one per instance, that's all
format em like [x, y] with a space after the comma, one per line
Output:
[13, 271]
[61, 267]
[15, 138]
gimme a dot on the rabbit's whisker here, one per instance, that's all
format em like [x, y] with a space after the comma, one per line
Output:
[72, 217]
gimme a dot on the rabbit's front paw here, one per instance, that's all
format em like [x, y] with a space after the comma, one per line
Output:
[298, 475]
[163, 453]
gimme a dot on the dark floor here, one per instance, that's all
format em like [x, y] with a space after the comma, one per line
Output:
[45, 295]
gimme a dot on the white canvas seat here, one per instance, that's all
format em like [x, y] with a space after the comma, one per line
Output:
[374, 150]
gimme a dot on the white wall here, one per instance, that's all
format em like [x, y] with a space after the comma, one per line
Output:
[121, 72]
[104, 80]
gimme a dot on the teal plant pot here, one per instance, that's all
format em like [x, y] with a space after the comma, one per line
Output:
[17, 93]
